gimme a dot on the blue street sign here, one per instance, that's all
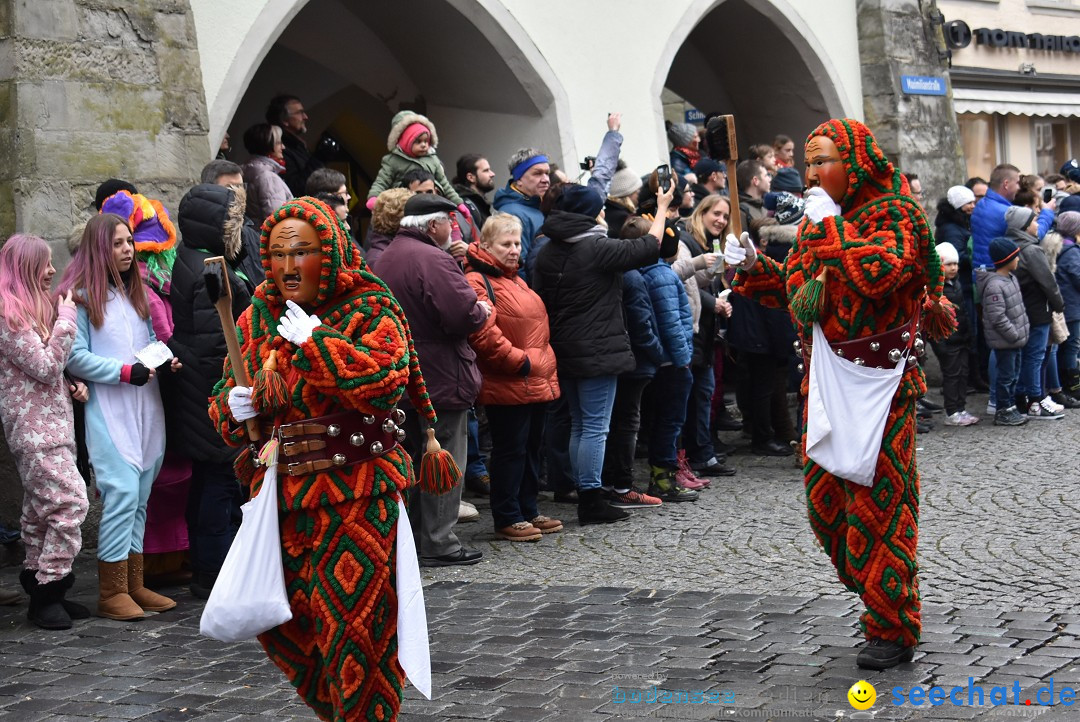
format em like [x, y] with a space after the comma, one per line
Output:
[922, 84]
[693, 115]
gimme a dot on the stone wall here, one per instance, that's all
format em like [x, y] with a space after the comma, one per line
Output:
[89, 90]
[917, 132]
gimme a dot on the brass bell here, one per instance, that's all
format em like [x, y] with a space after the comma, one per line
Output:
[368, 419]
[333, 430]
[338, 459]
[376, 447]
[905, 336]
[357, 439]
[388, 426]
[859, 362]
[875, 346]
[894, 355]
[399, 435]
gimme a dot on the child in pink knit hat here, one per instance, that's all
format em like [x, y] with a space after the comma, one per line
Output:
[412, 143]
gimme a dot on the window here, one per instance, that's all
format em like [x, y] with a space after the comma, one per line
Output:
[980, 139]
[1051, 141]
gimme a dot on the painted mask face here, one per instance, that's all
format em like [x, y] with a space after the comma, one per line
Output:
[296, 260]
[824, 168]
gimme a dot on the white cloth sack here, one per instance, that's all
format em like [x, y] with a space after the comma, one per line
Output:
[249, 596]
[847, 407]
[413, 652]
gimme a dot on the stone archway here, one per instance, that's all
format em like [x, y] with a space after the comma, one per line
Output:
[465, 63]
[773, 73]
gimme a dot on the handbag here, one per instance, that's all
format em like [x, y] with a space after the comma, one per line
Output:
[249, 596]
[1059, 330]
[847, 407]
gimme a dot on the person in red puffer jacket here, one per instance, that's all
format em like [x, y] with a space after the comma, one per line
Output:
[515, 358]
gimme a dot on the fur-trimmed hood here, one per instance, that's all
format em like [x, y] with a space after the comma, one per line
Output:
[778, 234]
[211, 217]
[403, 120]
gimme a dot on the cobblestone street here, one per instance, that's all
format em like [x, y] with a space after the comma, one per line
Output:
[729, 596]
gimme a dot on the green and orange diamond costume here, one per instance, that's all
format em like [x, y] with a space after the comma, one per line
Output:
[882, 272]
[338, 526]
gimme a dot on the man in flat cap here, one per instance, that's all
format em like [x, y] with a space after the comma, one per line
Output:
[442, 310]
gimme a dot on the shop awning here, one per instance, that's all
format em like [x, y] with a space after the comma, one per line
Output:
[1015, 102]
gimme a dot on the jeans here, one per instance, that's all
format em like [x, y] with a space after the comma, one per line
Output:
[670, 391]
[517, 437]
[213, 514]
[1007, 361]
[591, 401]
[954, 373]
[1031, 358]
[475, 467]
[1071, 348]
[560, 476]
[697, 437]
[622, 435]
[991, 380]
[1051, 378]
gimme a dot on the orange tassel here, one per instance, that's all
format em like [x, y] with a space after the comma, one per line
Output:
[269, 394]
[439, 473]
[939, 319]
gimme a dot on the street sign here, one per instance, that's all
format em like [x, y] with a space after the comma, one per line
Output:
[922, 84]
[693, 115]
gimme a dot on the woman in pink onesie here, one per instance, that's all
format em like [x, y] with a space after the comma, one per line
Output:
[36, 333]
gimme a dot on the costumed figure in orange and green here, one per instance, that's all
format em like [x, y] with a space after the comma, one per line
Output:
[330, 354]
[864, 279]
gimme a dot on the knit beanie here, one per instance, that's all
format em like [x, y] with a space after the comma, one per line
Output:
[681, 134]
[1018, 218]
[960, 196]
[787, 179]
[789, 209]
[1002, 250]
[409, 136]
[947, 252]
[1072, 203]
[580, 199]
[1068, 224]
[624, 183]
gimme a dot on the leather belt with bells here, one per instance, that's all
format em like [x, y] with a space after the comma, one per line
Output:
[882, 350]
[337, 440]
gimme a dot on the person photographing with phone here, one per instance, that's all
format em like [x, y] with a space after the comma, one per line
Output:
[863, 284]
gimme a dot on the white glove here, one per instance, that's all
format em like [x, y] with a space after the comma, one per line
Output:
[736, 252]
[819, 205]
[296, 326]
[240, 403]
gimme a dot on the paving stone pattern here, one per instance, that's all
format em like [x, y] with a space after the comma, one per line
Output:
[729, 597]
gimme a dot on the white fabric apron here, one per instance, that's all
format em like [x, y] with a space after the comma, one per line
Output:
[414, 654]
[134, 417]
[846, 410]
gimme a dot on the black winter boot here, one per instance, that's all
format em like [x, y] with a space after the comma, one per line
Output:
[593, 508]
[46, 606]
[879, 654]
[74, 609]
[1022, 403]
[28, 579]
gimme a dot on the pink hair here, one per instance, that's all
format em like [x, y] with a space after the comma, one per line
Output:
[92, 269]
[23, 261]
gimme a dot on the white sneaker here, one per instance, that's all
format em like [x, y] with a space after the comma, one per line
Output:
[1038, 411]
[990, 409]
[1051, 405]
[961, 418]
[467, 512]
[968, 419]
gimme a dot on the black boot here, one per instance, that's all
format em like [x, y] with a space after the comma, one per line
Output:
[1022, 403]
[74, 609]
[879, 654]
[593, 508]
[46, 605]
[202, 584]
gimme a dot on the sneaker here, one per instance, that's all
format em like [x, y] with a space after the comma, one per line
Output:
[1050, 405]
[467, 512]
[991, 408]
[666, 488]
[1009, 417]
[521, 531]
[479, 485]
[712, 467]
[1064, 400]
[634, 500]
[546, 524]
[1044, 410]
[961, 418]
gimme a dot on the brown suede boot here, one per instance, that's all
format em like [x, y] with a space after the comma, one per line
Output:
[113, 599]
[148, 600]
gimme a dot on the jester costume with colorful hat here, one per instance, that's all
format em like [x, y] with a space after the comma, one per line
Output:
[865, 272]
[338, 519]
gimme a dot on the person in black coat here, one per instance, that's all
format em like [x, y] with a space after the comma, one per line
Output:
[953, 226]
[578, 274]
[211, 223]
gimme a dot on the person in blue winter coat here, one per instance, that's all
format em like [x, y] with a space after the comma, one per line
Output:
[988, 218]
[530, 179]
